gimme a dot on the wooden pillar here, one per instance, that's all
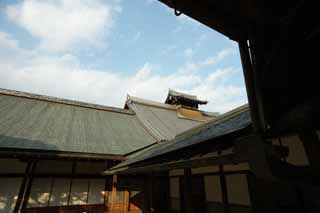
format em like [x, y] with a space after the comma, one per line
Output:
[23, 187]
[114, 191]
[250, 86]
[108, 184]
[28, 188]
[151, 193]
[126, 200]
[74, 164]
[224, 190]
[188, 191]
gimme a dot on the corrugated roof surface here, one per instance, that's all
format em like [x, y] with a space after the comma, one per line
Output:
[29, 123]
[163, 120]
[227, 123]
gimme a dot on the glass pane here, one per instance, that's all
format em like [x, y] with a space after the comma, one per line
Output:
[96, 191]
[60, 192]
[174, 187]
[237, 188]
[79, 192]
[213, 188]
[9, 190]
[40, 191]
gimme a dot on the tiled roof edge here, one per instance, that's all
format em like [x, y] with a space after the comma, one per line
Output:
[63, 101]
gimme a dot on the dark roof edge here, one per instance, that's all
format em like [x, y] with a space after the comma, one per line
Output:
[34, 153]
[63, 101]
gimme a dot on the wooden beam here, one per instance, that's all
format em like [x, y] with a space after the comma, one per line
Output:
[224, 190]
[250, 87]
[189, 208]
[114, 191]
[74, 164]
[14, 153]
[190, 163]
[23, 188]
[28, 187]
[106, 194]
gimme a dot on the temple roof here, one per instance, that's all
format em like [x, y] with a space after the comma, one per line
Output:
[165, 121]
[29, 121]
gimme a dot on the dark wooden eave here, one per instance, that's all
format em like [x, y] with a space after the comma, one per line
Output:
[228, 17]
[41, 154]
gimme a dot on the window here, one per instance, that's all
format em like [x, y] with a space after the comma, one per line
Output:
[96, 191]
[55, 192]
[213, 188]
[60, 192]
[79, 191]
[9, 190]
[237, 189]
[174, 194]
[40, 192]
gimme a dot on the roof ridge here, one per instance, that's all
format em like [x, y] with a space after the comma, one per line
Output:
[150, 102]
[152, 131]
[52, 99]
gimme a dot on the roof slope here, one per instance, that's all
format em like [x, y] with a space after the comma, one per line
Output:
[227, 123]
[30, 121]
[165, 121]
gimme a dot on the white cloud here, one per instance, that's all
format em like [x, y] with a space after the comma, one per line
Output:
[188, 52]
[65, 77]
[190, 66]
[136, 36]
[64, 24]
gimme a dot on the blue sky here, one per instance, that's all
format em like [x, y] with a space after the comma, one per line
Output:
[100, 51]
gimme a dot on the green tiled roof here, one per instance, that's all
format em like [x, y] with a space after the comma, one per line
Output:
[29, 121]
[230, 122]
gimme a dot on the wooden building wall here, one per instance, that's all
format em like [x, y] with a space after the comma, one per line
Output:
[51, 184]
[215, 189]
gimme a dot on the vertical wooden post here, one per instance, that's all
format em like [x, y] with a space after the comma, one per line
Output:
[23, 187]
[224, 189]
[74, 164]
[250, 86]
[114, 191]
[106, 194]
[151, 192]
[189, 208]
[28, 189]
[126, 200]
